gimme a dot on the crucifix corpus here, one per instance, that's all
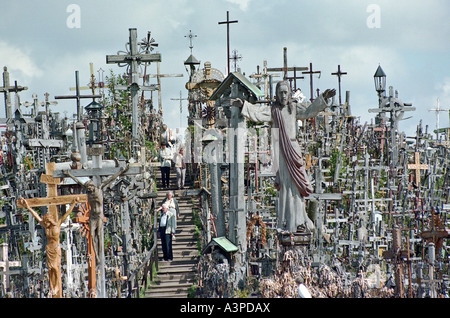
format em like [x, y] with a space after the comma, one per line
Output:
[52, 224]
[95, 198]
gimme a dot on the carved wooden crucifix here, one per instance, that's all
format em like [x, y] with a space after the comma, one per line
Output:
[52, 223]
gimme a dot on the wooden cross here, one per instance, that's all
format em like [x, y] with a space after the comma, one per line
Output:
[52, 201]
[228, 22]
[417, 166]
[83, 219]
[6, 89]
[436, 233]
[265, 76]
[311, 72]
[339, 74]
[285, 69]
[78, 97]
[158, 76]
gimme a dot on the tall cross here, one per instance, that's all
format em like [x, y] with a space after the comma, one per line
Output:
[158, 76]
[311, 72]
[285, 69]
[417, 166]
[77, 96]
[228, 22]
[181, 105]
[339, 73]
[437, 110]
[133, 58]
[6, 89]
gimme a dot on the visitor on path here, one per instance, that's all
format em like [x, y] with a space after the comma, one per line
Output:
[165, 157]
[180, 168]
[167, 226]
[172, 203]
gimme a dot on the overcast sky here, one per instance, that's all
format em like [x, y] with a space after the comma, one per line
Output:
[409, 39]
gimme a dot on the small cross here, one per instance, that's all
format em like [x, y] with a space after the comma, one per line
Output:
[417, 166]
[236, 58]
[228, 22]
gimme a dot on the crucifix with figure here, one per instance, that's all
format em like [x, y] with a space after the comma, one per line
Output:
[52, 223]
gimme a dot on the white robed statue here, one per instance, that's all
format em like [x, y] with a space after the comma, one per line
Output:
[292, 180]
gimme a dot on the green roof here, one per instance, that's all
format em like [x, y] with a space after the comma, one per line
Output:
[227, 83]
[223, 243]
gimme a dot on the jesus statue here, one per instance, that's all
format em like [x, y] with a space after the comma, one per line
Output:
[292, 180]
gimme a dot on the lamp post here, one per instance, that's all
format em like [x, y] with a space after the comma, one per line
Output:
[94, 110]
[380, 82]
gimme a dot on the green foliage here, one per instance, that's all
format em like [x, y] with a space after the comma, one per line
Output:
[118, 109]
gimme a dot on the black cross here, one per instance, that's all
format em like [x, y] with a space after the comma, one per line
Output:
[190, 36]
[78, 96]
[236, 57]
[339, 74]
[228, 37]
[311, 72]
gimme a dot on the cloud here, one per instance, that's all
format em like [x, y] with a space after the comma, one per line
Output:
[17, 59]
[243, 4]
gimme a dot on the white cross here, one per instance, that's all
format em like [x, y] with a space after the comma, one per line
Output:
[5, 264]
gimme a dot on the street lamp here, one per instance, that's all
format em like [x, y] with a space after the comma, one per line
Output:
[94, 110]
[380, 81]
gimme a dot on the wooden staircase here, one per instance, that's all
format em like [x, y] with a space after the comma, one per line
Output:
[174, 278]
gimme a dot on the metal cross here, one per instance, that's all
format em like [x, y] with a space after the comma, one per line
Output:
[311, 72]
[190, 36]
[228, 22]
[77, 96]
[181, 105]
[339, 74]
[236, 57]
